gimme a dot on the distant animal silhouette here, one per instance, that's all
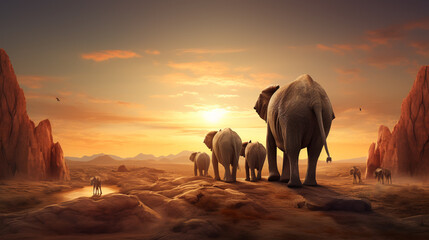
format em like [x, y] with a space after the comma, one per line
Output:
[96, 183]
[58, 99]
[360, 109]
[298, 115]
[383, 173]
[201, 163]
[355, 171]
[254, 154]
[387, 175]
[378, 174]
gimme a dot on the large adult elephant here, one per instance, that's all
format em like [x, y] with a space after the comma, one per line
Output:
[225, 146]
[298, 116]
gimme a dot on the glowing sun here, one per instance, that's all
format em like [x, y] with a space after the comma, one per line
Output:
[213, 116]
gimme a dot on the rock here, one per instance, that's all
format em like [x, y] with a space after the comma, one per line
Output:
[198, 227]
[108, 214]
[25, 150]
[405, 151]
[122, 168]
[340, 204]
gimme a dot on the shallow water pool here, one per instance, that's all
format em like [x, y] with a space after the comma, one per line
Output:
[86, 192]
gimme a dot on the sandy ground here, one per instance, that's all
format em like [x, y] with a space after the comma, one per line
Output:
[165, 201]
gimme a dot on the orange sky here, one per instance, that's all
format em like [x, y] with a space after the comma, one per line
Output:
[155, 77]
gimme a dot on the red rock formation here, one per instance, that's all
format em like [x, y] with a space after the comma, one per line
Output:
[406, 150]
[25, 150]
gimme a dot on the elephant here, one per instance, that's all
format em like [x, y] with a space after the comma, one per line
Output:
[225, 146]
[355, 171]
[298, 115]
[378, 174]
[254, 154]
[96, 183]
[201, 163]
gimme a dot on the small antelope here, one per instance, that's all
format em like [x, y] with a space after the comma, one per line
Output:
[96, 183]
[355, 171]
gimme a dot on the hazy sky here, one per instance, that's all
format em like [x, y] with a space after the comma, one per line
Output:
[156, 76]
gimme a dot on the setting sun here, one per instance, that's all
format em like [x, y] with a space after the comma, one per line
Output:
[213, 116]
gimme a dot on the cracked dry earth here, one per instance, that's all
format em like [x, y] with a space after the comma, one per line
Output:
[159, 204]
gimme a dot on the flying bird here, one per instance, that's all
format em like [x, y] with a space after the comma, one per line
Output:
[58, 99]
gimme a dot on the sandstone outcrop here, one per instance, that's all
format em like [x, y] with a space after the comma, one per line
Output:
[405, 151]
[25, 150]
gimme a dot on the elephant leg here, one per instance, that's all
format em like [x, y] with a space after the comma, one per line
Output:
[286, 169]
[274, 174]
[234, 171]
[228, 177]
[253, 175]
[195, 169]
[201, 172]
[313, 152]
[259, 174]
[101, 192]
[247, 171]
[294, 171]
[215, 167]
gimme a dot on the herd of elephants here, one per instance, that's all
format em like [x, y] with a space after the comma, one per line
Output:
[298, 116]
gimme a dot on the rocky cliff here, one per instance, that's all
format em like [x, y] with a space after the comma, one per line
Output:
[25, 150]
[406, 150]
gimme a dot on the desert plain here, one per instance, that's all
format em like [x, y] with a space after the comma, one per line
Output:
[162, 200]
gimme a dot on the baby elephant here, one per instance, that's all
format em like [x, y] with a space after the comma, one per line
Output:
[255, 154]
[355, 171]
[96, 183]
[201, 163]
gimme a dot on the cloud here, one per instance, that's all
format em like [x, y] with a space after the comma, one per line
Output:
[381, 61]
[152, 52]
[422, 48]
[204, 67]
[109, 54]
[210, 51]
[218, 73]
[35, 81]
[343, 48]
[390, 33]
[226, 95]
[176, 95]
[349, 75]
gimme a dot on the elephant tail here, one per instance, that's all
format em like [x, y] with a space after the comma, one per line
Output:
[318, 111]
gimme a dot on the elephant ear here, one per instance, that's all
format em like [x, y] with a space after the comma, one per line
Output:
[208, 140]
[243, 149]
[261, 105]
[192, 157]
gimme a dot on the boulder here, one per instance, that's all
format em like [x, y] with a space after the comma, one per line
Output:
[405, 151]
[122, 168]
[25, 150]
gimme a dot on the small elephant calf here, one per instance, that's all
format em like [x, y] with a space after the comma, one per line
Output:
[355, 171]
[201, 163]
[255, 154]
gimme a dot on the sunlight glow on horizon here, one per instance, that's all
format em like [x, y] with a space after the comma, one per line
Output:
[213, 116]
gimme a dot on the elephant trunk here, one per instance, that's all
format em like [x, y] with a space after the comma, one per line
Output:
[318, 111]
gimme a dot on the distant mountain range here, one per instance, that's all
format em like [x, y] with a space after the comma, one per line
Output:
[103, 158]
[182, 157]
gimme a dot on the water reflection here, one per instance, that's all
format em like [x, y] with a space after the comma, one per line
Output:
[86, 192]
